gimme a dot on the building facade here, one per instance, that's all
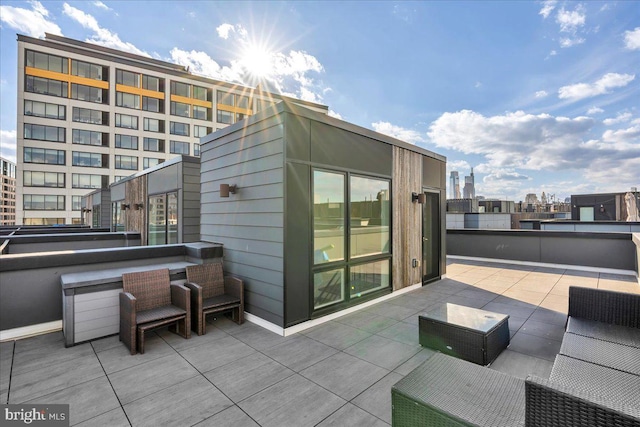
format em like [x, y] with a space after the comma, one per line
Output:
[8, 194]
[89, 116]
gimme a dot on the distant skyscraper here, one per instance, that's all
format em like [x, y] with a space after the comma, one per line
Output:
[469, 186]
[454, 184]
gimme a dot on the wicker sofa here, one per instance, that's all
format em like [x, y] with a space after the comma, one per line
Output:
[595, 379]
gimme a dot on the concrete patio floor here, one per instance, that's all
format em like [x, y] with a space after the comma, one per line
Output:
[339, 373]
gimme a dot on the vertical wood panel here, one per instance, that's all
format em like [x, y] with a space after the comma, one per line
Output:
[407, 218]
[136, 192]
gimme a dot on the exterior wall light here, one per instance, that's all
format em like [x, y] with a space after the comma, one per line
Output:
[225, 189]
[125, 206]
[139, 206]
[420, 198]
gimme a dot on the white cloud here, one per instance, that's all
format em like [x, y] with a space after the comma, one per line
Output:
[457, 165]
[632, 39]
[622, 139]
[505, 175]
[334, 114]
[224, 30]
[33, 22]
[570, 21]
[566, 42]
[101, 5]
[8, 144]
[403, 134]
[594, 110]
[101, 36]
[541, 94]
[620, 118]
[547, 8]
[201, 63]
[602, 86]
[513, 140]
[478, 85]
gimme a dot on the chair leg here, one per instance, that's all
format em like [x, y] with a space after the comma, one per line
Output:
[202, 325]
[141, 341]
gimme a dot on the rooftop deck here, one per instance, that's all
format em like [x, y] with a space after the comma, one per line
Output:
[338, 373]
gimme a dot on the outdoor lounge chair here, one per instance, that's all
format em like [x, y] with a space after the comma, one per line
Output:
[213, 292]
[148, 301]
[594, 381]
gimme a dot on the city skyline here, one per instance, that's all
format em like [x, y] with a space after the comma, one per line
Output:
[537, 96]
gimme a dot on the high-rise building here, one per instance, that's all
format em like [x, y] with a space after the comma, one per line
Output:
[8, 193]
[89, 116]
[469, 186]
[454, 185]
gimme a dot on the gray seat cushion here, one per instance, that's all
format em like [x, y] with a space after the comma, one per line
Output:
[219, 302]
[603, 331]
[159, 313]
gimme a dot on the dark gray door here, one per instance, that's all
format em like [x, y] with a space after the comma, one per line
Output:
[431, 237]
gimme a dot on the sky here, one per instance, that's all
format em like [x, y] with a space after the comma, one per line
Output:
[535, 96]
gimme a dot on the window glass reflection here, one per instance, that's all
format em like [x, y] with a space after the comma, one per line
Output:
[329, 216]
[370, 215]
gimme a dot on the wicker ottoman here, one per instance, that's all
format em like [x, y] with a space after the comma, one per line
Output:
[471, 334]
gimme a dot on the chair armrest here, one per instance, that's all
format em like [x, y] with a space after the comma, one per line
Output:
[127, 308]
[181, 297]
[234, 287]
[617, 308]
[194, 288]
[551, 404]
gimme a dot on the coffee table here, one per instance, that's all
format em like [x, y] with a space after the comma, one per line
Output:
[471, 334]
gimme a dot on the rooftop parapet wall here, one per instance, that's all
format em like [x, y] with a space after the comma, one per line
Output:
[32, 243]
[30, 289]
[616, 251]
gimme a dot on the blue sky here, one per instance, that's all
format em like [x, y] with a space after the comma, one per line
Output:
[534, 95]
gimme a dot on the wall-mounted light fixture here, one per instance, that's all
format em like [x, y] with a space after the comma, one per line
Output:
[601, 208]
[86, 210]
[225, 189]
[139, 206]
[125, 206]
[420, 198]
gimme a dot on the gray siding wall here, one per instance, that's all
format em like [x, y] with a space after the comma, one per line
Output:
[249, 223]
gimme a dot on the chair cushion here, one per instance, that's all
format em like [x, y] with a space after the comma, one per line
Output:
[219, 301]
[158, 313]
[613, 333]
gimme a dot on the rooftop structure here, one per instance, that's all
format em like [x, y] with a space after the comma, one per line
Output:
[89, 116]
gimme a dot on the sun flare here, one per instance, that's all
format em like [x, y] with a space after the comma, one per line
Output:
[258, 61]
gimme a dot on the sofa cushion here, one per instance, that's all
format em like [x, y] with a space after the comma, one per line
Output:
[618, 334]
[609, 383]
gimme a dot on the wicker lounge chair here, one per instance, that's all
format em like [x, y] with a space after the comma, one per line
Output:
[148, 301]
[213, 292]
